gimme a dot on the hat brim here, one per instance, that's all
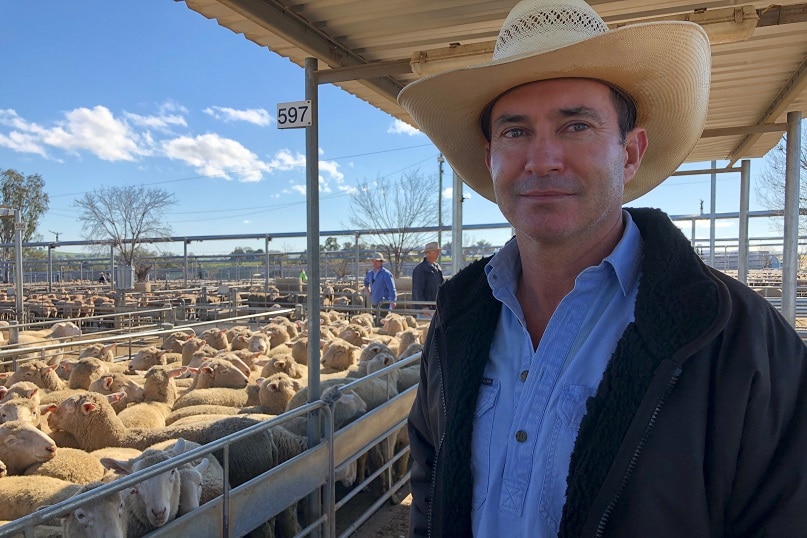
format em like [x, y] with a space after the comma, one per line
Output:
[665, 67]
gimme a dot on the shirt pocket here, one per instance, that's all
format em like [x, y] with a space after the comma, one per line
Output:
[570, 410]
[482, 438]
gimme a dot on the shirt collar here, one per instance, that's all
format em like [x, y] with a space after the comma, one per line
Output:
[504, 267]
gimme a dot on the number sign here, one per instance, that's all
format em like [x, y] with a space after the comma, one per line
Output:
[294, 115]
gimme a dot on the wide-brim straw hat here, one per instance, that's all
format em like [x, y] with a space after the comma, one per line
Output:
[378, 257]
[664, 67]
[432, 245]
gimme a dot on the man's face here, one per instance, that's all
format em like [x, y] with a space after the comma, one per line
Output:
[558, 162]
[377, 265]
[432, 255]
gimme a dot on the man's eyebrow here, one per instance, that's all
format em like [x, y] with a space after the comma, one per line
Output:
[506, 119]
[581, 111]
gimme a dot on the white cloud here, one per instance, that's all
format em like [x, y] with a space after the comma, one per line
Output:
[298, 188]
[95, 130]
[161, 122]
[399, 127]
[213, 155]
[258, 116]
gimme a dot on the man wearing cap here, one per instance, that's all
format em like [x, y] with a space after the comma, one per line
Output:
[380, 284]
[427, 275]
[594, 377]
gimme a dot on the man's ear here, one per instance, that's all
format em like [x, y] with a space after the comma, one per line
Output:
[635, 146]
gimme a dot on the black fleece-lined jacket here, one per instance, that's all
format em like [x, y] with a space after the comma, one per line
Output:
[698, 427]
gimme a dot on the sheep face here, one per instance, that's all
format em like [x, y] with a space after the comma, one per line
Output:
[340, 355]
[104, 518]
[20, 409]
[146, 358]
[258, 343]
[22, 438]
[99, 351]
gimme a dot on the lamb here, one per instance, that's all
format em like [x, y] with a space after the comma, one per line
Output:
[99, 351]
[70, 464]
[355, 334]
[86, 371]
[159, 384]
[154, 501]
[117, 382]
[276, 391]
[406, 338]
[392, 324]
[22, 409]
[38, 372]
[22, 445]
[103, 518]
[210, 481]
[285, 365]
[372, 349]
[175, 341]
[216, 338]
[299, 351]
[218, 396]
[150, 356]
[215, 372]
[339, 355]
[23, 495]
[365, 319]
[277, 334]
[191, 346]
[92, 421]
[259, 343]
[21, 389]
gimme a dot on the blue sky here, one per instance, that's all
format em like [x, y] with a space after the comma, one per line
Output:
[100, 93]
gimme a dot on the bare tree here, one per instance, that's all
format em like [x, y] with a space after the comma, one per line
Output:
[125, 216]
[399, 207]
[770, 188]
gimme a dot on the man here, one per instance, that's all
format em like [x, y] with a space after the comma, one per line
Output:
[427, 275]
[380, 284]
[594, 377]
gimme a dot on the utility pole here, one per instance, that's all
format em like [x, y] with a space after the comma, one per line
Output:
[56, 234]
[440, 161]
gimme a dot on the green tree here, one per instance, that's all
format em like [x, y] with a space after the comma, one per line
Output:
[26, 194]
[331, 244]
[125, 216]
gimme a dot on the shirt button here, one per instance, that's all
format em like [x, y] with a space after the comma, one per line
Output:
[521, 436]
[523, 375]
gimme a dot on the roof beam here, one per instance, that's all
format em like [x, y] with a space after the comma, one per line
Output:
[745, 129]
[779, 105]
[284, 23]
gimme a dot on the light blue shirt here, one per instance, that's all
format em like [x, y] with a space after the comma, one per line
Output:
[532, 400]
[382, 286]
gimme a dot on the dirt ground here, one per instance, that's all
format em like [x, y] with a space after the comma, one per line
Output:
[391, 521]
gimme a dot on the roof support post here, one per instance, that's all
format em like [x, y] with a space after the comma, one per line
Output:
[742, 248]
[790, 252]
[712, 212]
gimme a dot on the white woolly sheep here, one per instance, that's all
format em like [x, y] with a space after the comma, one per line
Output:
[86, 371]
[372, 349]
[150, 356]
[103, 518]
[286, 365]
[22, 445]
[355, 334]
[175, 340]
[91, 420]
[211, 484]
[38, 372]
[216, 372]
[392, 324]
[117, 382]
[406, 338]
[200, 410]
[299, 351]
[70, 464]
[99, 351]
[216, 396]
[145, 415]
[339, 355]
[374, 392]
[277, 334]
[153, 502]
[21, 389]
[22, 495]
[22, 409]
[193, 345]
[276, 391]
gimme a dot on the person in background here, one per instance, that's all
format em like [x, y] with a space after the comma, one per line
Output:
[102, 278]
[427, 275]
[302, 279]
[594, 377]
[380, 284]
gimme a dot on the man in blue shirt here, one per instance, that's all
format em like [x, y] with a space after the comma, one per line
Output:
[593, 377]
[380, 284]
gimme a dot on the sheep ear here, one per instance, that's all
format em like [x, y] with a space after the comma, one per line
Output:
[176, 372]
[112, 464]
[260, 381]
[115, 397]
[296, 385]
[108, 380]
[88, 407]
[110, 347]
[3, 390]
[202, 465]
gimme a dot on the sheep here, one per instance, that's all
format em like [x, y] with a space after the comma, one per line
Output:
[103, 518]
[201, 410]
[276, 391]
[339, 355]
[392, 324]
[259, 343]
[215, 372]
[287, 365]
[38, 372]
[406, 338]
[243, 355]
[372, 349]
[412, 349]
[86, 371]
[70, 464]
[355, 334]
[21, 389]
[153, 502]
[216, 338]
[22, 445]
[216, 395]
[374, 392]
[22, 495]
[277, 334]
[145, 415]
[175, 341]
[22, 409]
[211, 475]
[150, 356]
[117, 382]
[159, 384]
[365, 319]
[58, 331]
[92, 421]
[299, 351]
[99, 351]
[3, 469]
[191, 346]
[236, 331]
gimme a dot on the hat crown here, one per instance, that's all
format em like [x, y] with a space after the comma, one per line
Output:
[535, 26]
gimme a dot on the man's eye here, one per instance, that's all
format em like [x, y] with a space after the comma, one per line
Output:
[513, 133]
[578, 127]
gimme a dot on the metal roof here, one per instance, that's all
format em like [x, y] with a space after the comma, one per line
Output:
[756, 80]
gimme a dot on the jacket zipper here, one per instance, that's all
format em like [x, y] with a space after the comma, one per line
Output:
[636, 453]
[433, 487]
